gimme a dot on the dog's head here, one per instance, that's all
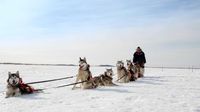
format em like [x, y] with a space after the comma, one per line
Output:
[82, 60]
[129, 63]
[120, 64]
[109, 72]
[83, 64]
[13, 78]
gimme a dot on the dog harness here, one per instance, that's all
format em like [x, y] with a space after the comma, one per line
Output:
[25, 88]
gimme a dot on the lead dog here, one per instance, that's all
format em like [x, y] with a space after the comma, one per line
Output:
[85, 75]
[16, 87]
[105, 79]
[122, 73]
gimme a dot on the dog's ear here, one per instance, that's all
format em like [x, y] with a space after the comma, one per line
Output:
[17, 73]
[101, 78]
[84, 59]
[80, 58]
[105, 73]
[9, 74]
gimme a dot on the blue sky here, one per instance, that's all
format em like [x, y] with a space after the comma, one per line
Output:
[68, 29]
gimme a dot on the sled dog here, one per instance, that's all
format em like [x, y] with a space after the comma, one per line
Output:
[132, 70]
[122, 73]
[84, 74]
[140, 69]
[104, 79]
[16, 87]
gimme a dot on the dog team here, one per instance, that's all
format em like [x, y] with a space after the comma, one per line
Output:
[134, 70]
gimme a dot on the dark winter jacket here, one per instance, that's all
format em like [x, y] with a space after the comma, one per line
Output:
[139, 58]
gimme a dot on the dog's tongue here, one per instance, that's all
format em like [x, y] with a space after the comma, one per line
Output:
[81, 66]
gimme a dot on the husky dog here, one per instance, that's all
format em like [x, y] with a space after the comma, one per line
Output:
[122, 73]
[104, 79]
[140, 70]
[16, 87]
[12, 86]
[98, 80]
[107, 78]
[84, 74]
[132, 70]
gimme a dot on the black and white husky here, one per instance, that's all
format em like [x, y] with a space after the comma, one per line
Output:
[16, 87]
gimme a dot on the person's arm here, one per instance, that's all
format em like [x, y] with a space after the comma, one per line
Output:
[144, 58]
[134, 58]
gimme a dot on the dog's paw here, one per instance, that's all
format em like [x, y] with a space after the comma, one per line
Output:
[95, 86]
[115, 85]
[75, 88]
[17, 94]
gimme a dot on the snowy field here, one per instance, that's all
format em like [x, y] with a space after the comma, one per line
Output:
[169, 90]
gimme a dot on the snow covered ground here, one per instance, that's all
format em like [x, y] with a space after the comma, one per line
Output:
[170, 90]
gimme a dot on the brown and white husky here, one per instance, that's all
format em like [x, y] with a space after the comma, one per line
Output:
[85, 75]
[105, 79]
[132, 70]
[122, 73]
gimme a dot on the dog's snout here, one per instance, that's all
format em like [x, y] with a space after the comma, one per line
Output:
[13, 82]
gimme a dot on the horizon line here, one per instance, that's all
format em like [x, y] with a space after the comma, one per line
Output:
[101, 65]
